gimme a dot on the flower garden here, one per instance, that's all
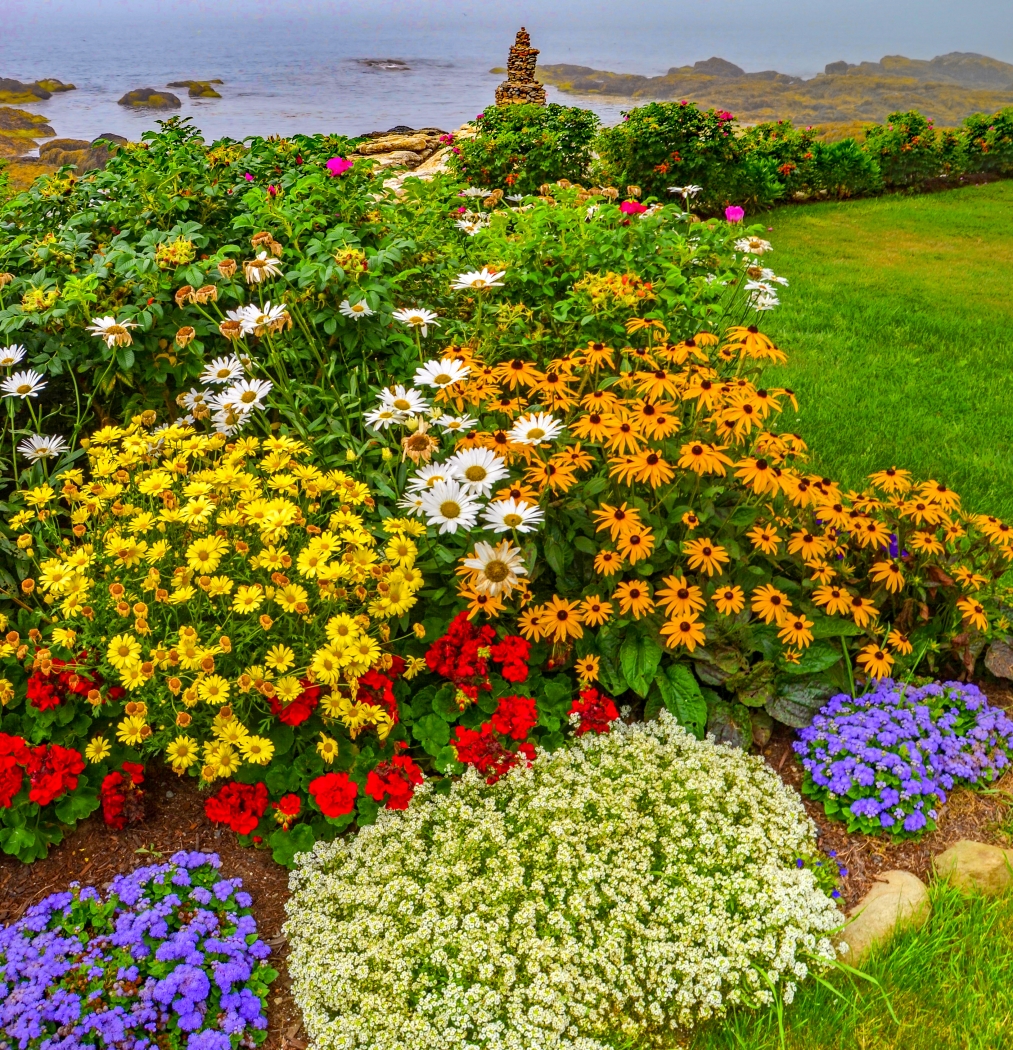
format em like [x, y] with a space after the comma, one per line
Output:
[443, 539]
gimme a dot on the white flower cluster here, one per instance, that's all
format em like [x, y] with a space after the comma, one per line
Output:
[610, 894]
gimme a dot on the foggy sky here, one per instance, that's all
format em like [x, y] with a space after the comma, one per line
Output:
[644, 36]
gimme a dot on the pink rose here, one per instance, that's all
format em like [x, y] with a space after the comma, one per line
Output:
[248, 177]
[632, 208]
[734, 213]
[338, 166]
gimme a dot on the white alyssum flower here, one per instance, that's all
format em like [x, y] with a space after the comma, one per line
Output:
[355, 310]
[449, 505]
[222, 370]
[610, 894]
[505, 514]
[23, 384]
[478, 469]
[11, 355]
[111, 331]
[476, 280]
[536, 428]
[441, 374]
[416, 317]
[39, 447]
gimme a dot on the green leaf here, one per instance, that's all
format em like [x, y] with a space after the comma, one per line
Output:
[286, 844]
[681, 695]
[639, 658]
[820, 656]
[582, 543]
[282, 736]
[446, 761]
[834, 627]
[432, 729]
[76, 806]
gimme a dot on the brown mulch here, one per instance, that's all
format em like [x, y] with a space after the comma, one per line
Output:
[93, 854]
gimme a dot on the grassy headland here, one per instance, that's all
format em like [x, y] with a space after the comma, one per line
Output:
[898, 322]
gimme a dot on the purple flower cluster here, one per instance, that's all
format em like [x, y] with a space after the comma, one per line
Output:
[886, 760]
[169, 958]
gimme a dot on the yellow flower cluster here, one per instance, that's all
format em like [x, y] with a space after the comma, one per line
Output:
[216, 584]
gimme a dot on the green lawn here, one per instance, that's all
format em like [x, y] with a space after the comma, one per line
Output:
[948, 984]
[899, 326]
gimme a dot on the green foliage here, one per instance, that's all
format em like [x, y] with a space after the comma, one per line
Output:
[990, 141]
[520, 147]
[908, 150]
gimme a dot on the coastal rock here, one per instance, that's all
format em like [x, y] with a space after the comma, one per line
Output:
[82, 154]
[17, 91]
[897, 901]
[149, 98]
[54, 86]
[62, 145]
[198, 88]
[394, 142]
[406, 158]
[190, 83]
[976, 867]
[520, 85]
[15, 123]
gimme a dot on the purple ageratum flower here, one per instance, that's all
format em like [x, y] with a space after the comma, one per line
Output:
[890, 756]
[338, 166]
[733, 213]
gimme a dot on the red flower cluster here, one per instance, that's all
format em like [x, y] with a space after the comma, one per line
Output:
[515, 717]
[482, 749]
[122, 798]
[239, 805]
[286, 809]
[334, 794]
[14, 756]
[597, 712]
[462, 655]
[52, 771]
[296, 711]
[63, 680]
[394, 781]
[377, 689]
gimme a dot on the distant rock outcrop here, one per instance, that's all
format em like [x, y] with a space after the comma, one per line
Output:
[53, 86]
[84, 155]
[150, 98]
[16, 91]
[198, 88]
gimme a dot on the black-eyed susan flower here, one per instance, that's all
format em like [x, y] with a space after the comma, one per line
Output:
[622, 432]
[679, 598]
[634, 596]
[489, 604]
[595, 611]
[518, 373]
[974, 613]
[875, 661]
[617, 519]
[862, 610]
[900, 642]
[836, 600]
[588, 669]
[892, 480]
[770, 604]
[685, 631]
[598, 355]
[889, 573]
[608, 562]
[759, 474]
[690, 520]
[925, 543]
[655, 418]
[764, 538]
[602, 401]
[591, 427]
[873, 533]
[703, 458]
[652, 468]
[796, 631]
[636, 544]
[561, 619]
[729, 600]
[528, 624]
[704, 555]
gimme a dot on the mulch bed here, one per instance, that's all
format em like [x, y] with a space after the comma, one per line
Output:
[93, 854]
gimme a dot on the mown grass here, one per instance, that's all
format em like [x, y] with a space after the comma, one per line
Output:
[899, 325]
[948, 985]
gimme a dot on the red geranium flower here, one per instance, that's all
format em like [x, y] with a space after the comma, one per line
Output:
[240, 806]
[334, 794]
[597, 712]
[515, 717]
[122, 799]
[286, 809]
[486, 752]
[296, 711]
[395, 780]
[14, 756]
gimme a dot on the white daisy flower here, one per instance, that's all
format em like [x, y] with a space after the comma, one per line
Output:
[769, 275]
[404, 400]
[470, 226]
[759, 286]
[11, 355]
[258, 320]
[477, 469]
[112, 331]
[355, 310]
[441, 374]
[501, 515]
[39, 447]
[250, 393]
[411, 503]
[223, 370]
[196, 397]
[475, 191]
[381, 418]
[754, 245]
[416, 317]
[515, 197]
[229, 421]
[685, 191]
[23, 384]
[476, 280]
[259, 269]
[449, 505]
[497, 569]
[535, 428]
[457, 424]
[428, 476]
[764, 301]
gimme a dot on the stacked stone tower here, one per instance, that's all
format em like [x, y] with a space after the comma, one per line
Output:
[520, 84]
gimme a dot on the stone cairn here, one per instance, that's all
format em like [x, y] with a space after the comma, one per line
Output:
[520, 85]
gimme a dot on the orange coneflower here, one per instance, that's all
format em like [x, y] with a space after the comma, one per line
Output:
[652, 468]
[634, 597]
[690, 520]
[591, 427]
[822, 573]
[517, 491]
[518, 373]
[561, 619]
[764, 538]
[549, 475]
[574, 457]
[862, 610]
[770, 604]
[608, 562]
[528, 624]
[836, 600]
[602, 401]
[623, 434]
[729, 600]
[872, 532]
[900, 642]
[875, 661]
[937, 492]
[679, 598]
[703, 458]
[624, 468]
[686, 630]
[832, 514]
[892, 480]
[598, 355]
[657, 384]
[705, 391]
[888, 572]
[809, 546]
[973, 613]
[595, 611]
[655, 418]
[922, 512]
[925, 542]
[618, 520]
[588, 669]
[705, 555]
[490, 604]
[969, 578]
[796, 631]
[636, 544]
[759, 474]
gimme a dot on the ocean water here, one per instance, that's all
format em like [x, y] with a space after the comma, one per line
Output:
[299, 65]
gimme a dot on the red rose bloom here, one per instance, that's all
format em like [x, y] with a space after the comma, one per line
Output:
[395, 780]
[334, 794]
[515, 717]
[296, 711]
[597, 712]
[240, 806]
